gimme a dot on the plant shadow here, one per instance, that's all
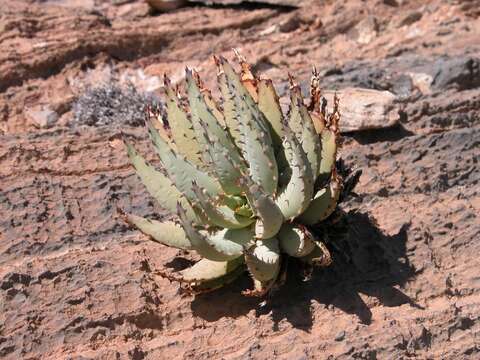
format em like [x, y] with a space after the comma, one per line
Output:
[365, 261]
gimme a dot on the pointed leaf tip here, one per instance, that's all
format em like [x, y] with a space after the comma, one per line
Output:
[167, 233]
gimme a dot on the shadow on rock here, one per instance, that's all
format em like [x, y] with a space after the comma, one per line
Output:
[365, 262]
[392, 133]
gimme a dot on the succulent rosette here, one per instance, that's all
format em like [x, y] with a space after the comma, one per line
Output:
[246, 183]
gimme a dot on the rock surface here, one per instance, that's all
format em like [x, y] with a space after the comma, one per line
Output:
[365, 109]
[42, 117]
[76, 283]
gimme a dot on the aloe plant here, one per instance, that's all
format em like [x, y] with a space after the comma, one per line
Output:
[246, 182]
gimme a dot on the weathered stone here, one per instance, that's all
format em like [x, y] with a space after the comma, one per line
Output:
[82, 4]
[41, 117]
[134, 10]
[422, 82]
[462, 73]
[365, 31]
[364, 109]
[402, 85]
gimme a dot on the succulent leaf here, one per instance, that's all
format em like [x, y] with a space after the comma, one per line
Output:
[324, 202]
[222, 167]
[210, 285]
[261, 288]
[201, 112]
[295, 197]
[198, 240]
[244, 210]
[180, 171]
[161, 125]
[318, 121]
[158, 185]
[233, 201]
[232, 241]
[296, 241]
[319, 256]
[167, 233]
[269, 105]
[222, 215]
[182, 132]
[229, 112]
[224, 160]
[302, 125]
[247, 77]
[213, 106]
[210, 101]
[263, 260]
[269, 216]
[238, 204]
[208, 270]
[254, 140]
[328, 154]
